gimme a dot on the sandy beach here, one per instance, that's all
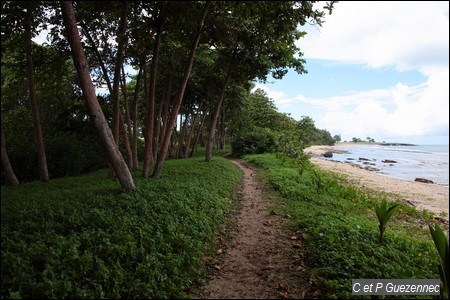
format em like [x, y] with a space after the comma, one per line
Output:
[432, 197]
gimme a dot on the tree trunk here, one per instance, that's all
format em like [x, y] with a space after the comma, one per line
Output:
[182, 136]
[94, 108]
[148, 153]
[134, 144]
[125, 97]
[11, 178]
[192, 129]
[199, 134]
[126, 132]
[165, 112]
[165, 145]
[126, 141]
[222, 128]
[116, 81]
[214, 118]
[158, 126]
[43, 171]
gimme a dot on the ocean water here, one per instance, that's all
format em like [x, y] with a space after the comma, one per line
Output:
[425, 161]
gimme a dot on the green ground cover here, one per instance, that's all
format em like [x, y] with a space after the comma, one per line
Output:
[81, 237]
[338, 229]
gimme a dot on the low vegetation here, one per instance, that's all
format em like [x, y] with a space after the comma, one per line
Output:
[338, 228]
[81, 237]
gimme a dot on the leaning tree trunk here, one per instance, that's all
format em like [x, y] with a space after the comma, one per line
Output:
[222, 129]
[165, 144]
[199, 134]
[165, 113]
[42, 160]
[214, 118]
[116, 81]
[94, 108]
[112, 92]
[148, 152]
[134, 145]
[192, 129]
[126, 133]
[11, 178]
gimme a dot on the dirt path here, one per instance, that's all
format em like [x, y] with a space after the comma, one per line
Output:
[260, 261]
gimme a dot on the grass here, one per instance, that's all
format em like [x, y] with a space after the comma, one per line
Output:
[81, 237]
[339, 229]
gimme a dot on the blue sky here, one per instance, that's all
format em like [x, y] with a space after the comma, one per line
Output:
[375, 69]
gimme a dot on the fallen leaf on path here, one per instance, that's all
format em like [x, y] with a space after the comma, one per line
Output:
[269, 222]
[296, 245]
[268, 267]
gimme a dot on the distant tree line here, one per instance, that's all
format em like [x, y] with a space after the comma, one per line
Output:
[260, 128]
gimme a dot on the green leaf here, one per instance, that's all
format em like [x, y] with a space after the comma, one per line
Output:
[390, 213]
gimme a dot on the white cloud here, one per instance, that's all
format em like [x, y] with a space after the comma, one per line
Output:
[407, 35]
[401, 111]
[279, 98]
[404, 35]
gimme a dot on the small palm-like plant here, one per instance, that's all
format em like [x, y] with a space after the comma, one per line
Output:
[318, 182]
[384, 214]
[441, 243]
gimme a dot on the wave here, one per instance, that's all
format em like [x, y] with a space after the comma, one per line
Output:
[408, 150]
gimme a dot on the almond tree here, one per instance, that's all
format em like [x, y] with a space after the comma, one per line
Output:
[180, 94]
[260, 38]
[43, 171]
[95, 111]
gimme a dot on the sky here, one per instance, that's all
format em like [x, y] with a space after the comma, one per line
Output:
[377, 69]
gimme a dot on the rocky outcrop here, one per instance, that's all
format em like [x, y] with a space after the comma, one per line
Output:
[327, 154]
[389, 161]
[395, 144]
[424, 180]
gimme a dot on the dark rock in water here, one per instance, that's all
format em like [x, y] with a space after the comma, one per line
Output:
[350, 158]
[389, 161]
[395, 144]
[327, 154]
[363, 159]
[368, 168]
[423, 180]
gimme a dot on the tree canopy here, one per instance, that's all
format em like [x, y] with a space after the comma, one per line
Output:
[196, 62]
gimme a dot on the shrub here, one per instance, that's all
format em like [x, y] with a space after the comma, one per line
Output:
[255, 140]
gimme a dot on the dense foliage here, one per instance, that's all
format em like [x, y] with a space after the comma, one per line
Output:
[80, 237]
[191, 61]
[260, 128]
[338, 229]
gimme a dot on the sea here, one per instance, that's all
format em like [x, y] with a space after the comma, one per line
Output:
[410, 162]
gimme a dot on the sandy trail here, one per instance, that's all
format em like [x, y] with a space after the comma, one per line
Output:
[259, 259]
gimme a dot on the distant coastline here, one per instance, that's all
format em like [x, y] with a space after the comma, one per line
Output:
[395, 144]
[381, 144]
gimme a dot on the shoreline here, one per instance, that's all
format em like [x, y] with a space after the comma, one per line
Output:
[432, 197]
